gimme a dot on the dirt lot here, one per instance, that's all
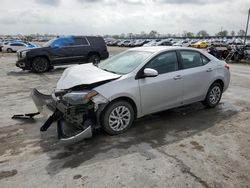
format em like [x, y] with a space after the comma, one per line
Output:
[186, 147]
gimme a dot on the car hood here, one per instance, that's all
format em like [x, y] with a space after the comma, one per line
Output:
[33, 49]
[85, 74]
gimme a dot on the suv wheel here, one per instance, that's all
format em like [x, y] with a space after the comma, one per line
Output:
[95, 59]
[9, 50]
[40, 65]
[118, 117]
[213, 95]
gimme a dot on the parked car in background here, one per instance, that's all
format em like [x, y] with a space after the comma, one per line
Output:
[113, 42]
[164, 43]
[62, 51]
[14, 46]
[123, 43]
[199, 44]
[32, 45]
[141, 42]
[152, 42]
[182, 43]
[130, 85]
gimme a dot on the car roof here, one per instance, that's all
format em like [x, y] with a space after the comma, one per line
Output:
[156, 49]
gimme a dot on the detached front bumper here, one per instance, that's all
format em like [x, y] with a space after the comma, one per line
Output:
[56, 111]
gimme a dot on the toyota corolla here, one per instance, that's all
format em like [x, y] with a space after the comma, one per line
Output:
[132, 84]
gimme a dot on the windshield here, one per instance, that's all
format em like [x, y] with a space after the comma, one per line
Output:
[48, 44]
[125, 62]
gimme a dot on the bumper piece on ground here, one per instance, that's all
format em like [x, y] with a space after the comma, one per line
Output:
[87, 133]
[25, 116]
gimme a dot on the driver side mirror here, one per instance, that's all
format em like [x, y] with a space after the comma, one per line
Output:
[148, 72]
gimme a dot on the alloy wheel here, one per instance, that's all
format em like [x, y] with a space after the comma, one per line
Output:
[215, 95]
[119, 118]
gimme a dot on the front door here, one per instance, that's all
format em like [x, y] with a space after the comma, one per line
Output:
[165, 90]
[61, 51]
[80, 49]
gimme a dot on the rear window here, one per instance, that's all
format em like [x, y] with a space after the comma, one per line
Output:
[205, 60]
[190, 59]
[80, 41]
[96, 41]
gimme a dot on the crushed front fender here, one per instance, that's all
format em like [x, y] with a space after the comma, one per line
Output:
[55, 112]
[44, 103]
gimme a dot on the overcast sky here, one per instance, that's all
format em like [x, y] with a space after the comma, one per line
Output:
[92, 17]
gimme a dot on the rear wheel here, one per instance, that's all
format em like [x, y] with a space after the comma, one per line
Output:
[40, 65]
[213, 95]
[95, 59]
[9, 50]
[118, 117]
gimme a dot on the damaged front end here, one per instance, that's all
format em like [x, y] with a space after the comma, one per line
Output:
[77, 112]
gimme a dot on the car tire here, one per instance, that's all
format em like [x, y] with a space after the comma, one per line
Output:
[9, 50]
[95, 59]
[40, 65]
[117, 117]
[213, 95]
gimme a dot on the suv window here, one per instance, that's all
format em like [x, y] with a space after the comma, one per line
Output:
[80, 41]
[191, 59]
[63, 42]
[164, 63]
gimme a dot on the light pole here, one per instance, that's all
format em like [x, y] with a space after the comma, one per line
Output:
[247, 26]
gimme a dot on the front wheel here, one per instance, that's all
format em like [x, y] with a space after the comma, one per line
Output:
[40, 65]
[118, 117]
[213, 95]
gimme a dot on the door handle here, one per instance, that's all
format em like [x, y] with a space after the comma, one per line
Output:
[209, 70]
[177, 77]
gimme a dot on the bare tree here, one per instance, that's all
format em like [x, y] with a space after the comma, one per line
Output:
[232, 33]
[153, 34]
[241, 32]
[202, 33]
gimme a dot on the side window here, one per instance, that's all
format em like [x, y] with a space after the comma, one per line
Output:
[164, 63]
[190, 59]
[80, 41]
[63, 42]
[13, 44]
[205, 60]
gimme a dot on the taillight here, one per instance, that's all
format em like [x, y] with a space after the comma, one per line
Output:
[226, 66]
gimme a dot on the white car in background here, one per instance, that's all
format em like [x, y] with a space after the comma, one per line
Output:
[14, 46]
[183, 43]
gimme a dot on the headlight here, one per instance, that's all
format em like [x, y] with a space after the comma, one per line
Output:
[23, 54]
[79, 97]
[89, 96]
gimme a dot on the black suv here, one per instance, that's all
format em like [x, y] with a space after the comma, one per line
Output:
[63, 51]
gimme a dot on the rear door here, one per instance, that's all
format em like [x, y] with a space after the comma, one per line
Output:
[197, 73]
[164, 91]
[80, 49]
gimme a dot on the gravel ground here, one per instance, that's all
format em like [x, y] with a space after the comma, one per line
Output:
[185, 147]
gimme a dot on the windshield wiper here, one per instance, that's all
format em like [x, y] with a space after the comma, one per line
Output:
[110, 71]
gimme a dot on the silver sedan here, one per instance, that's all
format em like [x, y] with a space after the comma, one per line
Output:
[132, 84]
